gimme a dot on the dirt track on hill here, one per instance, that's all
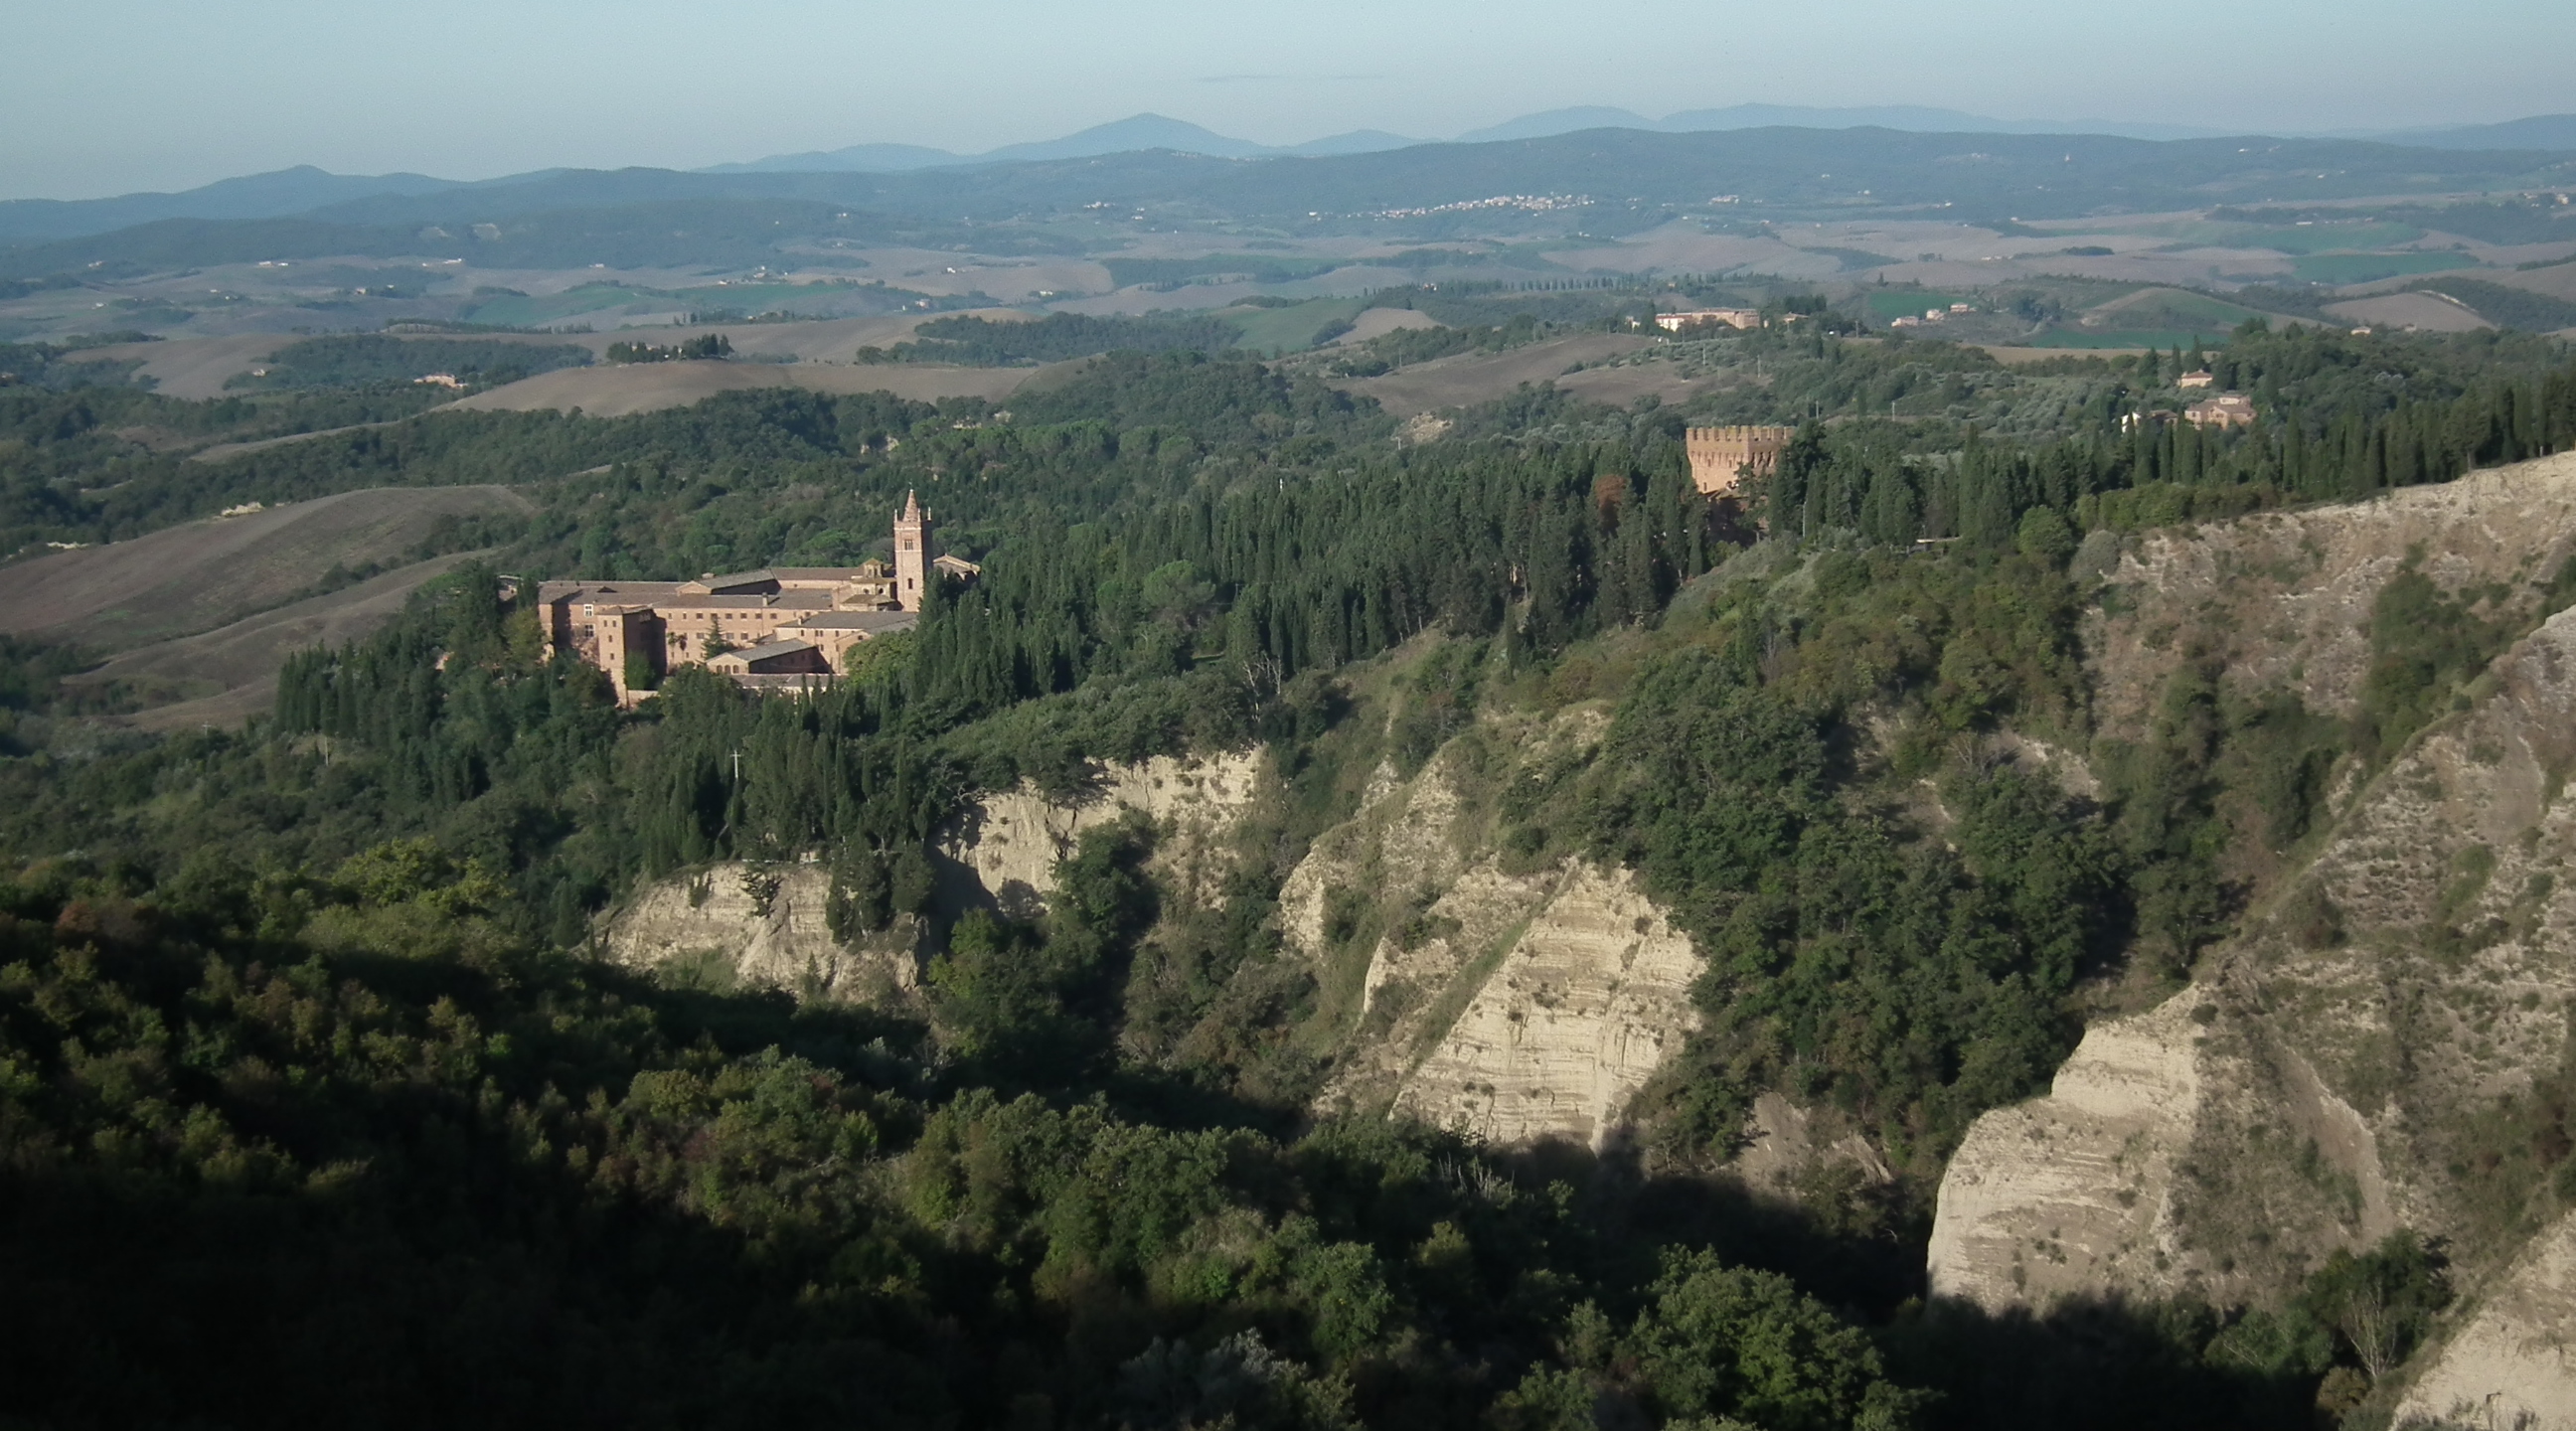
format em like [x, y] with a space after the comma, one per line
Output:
[222, 450]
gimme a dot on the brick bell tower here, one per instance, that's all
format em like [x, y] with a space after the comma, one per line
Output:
[912, 532]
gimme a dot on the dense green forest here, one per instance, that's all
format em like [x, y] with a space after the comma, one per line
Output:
[306, 1062]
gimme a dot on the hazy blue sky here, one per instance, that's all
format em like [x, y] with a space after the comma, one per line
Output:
[110, 96]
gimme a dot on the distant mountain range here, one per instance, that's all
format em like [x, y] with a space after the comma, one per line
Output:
[1910, 118]
[1124, 136]
[1155, 131]
[393, 198]
[299, 190]
[2542, 131]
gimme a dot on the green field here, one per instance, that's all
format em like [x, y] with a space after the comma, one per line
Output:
[750, 297]
[2175, 310]
[2283, 238]
[1260, 268]
[2322, 238]
[520, 311]
[1884, 305]
[1293, 329]
[2340, 268]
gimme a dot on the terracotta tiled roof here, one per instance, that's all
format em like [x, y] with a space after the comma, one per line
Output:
[873, 622]
[767, 649]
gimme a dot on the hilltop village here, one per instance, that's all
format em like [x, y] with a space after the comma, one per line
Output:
[776, 629]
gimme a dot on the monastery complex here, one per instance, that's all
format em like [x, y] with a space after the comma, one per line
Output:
[781, 628]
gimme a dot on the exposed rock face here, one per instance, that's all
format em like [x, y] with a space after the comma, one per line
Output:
[2513, 1364]
[2283, 599]
[2363, 1055]
[1787, 1143]
[1583, 1008]
[717, 918]
[1010, 843]
[2073, 1192]
[1518, 1004]
[729, 926]
[2318, 1088]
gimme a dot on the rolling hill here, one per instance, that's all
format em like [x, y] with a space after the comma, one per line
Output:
[193, 578]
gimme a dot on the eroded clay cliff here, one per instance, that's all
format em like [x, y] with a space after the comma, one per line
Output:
[1515, 1001]
[1586, 1002]
[1519, 1001]
[2282, 600]
[760, 926]
[2513, 1362]
[1009, 843]
[763, 926]
[2382, 1043]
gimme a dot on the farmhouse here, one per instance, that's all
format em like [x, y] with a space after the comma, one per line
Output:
[1697, 317]
[2224, 410]
[779, 628]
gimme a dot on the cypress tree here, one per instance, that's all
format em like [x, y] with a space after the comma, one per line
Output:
[1889, 517]
[1986, 515]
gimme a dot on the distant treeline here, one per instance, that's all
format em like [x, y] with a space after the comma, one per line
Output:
[1404, 346]
[359, 359]
[705, 345]
[985, 343]
[1174, 272]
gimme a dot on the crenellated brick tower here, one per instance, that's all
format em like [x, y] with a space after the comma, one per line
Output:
[1720, 457]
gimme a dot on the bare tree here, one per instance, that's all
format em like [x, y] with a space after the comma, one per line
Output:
[2375, 1333]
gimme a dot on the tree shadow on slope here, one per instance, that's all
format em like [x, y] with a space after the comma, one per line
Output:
[1860, 1246]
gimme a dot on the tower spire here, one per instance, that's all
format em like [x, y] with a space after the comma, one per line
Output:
[912, 535]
